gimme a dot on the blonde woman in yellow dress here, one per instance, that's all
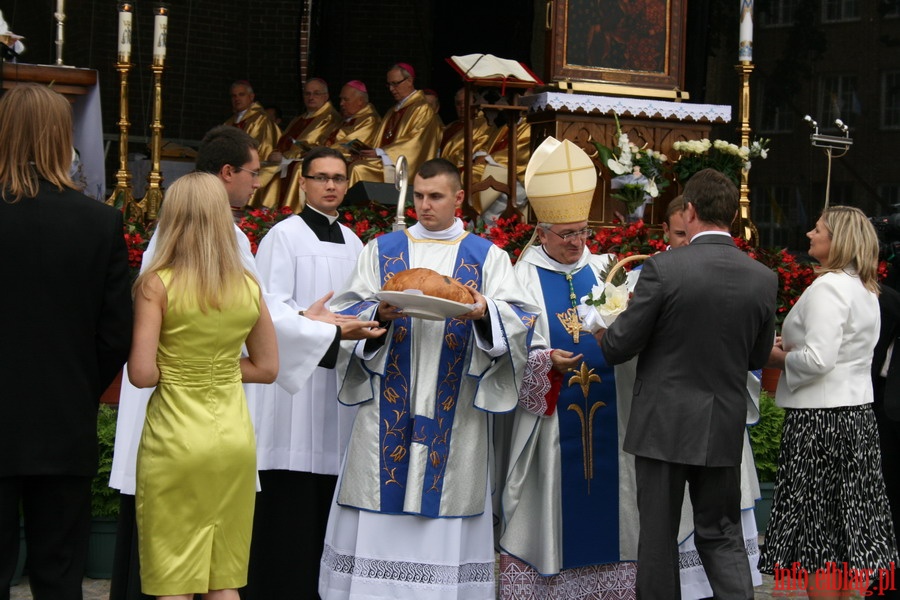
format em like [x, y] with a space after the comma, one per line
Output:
[195, 306]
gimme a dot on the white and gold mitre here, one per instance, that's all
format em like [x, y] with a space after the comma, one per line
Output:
[560, 182]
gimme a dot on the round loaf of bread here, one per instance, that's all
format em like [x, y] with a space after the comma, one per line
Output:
[430, 283]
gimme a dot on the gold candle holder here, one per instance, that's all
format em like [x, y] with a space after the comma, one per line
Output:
[154, 196]
[123, 195]
[746, 229]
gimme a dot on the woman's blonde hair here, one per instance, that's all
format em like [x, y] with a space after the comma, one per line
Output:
[854, 244]
[196, 242]
[36, 134]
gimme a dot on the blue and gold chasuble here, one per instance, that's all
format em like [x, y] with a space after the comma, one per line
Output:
[404, 435]
[588, 430]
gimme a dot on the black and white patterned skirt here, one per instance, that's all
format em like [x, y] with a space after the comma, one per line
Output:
[830, 505]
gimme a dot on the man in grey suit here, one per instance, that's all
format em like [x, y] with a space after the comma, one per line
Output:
[701, 317]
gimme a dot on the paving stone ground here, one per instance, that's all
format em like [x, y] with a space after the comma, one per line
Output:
[98, 589]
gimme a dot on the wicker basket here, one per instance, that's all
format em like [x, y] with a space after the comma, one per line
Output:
[628, 259]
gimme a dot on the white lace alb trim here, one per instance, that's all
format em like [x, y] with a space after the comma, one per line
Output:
[536, 384]
[405, 572]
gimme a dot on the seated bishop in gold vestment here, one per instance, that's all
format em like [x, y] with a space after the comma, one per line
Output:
[252, 118]
[304, 132]
[454, 137]
[409, 128]
[360, 119]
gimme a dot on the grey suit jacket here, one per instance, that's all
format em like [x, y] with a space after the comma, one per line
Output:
[701, 317]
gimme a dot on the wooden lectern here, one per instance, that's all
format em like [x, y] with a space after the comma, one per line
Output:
[512, 113]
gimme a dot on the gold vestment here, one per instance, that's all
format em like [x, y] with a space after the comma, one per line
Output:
[411, 130]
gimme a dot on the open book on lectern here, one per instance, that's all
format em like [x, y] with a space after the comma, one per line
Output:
[488, 66]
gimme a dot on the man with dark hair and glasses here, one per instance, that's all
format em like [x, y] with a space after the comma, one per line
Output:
[310, 129]
[409, 128]
[301, 435]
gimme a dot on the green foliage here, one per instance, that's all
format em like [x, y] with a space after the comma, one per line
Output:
[105, 500]
[765, 437]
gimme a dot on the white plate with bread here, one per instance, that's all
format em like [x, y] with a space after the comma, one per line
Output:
[426, 294]
[416, 304]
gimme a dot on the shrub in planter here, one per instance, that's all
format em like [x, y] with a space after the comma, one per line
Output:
[105, 500]
[765, 437]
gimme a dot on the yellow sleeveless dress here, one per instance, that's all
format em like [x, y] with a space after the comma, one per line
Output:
[196, 469]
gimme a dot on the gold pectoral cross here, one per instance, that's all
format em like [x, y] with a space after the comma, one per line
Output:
[571, 323]
[584, 377]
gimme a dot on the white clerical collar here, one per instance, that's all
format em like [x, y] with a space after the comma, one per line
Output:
[554, 265]
[419, 232]
[331, 218]
[240, 116]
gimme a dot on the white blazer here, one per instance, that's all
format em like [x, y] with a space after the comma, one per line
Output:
[830, 335]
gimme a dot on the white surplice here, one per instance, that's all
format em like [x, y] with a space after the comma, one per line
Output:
[308, 430]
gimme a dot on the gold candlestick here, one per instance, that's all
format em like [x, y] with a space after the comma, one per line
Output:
[746, 229]
[123, 194]
[154, 196]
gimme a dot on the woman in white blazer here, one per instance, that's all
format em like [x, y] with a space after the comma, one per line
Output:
[830, 506]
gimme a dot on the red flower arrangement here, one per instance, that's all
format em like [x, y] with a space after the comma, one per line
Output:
[626, 240]
[257, 222]
[793, 276]
[371, 220]
[137, 236]
[510, 234]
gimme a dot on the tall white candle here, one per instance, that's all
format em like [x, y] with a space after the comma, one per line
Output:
[125, 15]
[60, 7]
[160, 29]
[745, 49]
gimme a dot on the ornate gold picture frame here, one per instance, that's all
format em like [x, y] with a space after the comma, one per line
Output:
[633, 43]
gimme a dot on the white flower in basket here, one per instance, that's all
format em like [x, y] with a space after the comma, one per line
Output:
[600, 308]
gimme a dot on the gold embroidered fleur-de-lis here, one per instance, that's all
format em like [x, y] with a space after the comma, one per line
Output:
[571, 323]
[584, 377]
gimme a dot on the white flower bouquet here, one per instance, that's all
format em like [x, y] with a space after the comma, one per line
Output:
[600, 308]
[638, 172]
[728, 158]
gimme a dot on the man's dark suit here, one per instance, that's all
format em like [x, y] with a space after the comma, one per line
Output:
[887, 405]
[65, 314]
[701, 317]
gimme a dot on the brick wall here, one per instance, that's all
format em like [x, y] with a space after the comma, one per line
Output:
[214, 42]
